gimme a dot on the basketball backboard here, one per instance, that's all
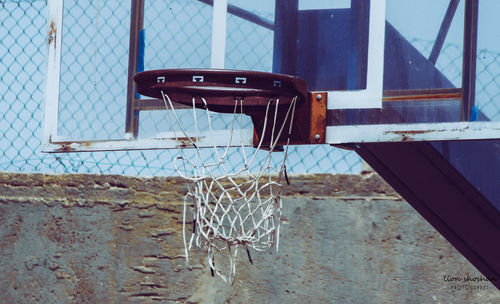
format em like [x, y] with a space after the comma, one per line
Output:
[392, 70]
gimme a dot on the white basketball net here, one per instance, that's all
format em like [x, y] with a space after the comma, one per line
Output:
[233, 208]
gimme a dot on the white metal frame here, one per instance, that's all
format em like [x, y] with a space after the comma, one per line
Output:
[51, 94]
[413, 132]
[371, 97]
[219, 29]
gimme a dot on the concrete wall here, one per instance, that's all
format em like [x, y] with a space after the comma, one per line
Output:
[114, 239]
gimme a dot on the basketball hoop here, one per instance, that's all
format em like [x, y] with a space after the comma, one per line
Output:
[233, 207]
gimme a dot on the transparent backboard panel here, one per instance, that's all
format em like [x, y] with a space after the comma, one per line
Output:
[414, 26]
[178, 34]
[250, 43]
[424, 51]
[422, 56]
[325, 42]
[438, 85]
[94, 66]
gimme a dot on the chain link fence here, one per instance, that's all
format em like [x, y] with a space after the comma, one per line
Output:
[22, 68]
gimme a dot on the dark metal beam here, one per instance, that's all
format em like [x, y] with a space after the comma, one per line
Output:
[441, 194]
[469, 57]
[136, 25]
[246, 15]
[443, 31]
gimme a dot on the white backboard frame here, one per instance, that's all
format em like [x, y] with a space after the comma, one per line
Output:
[371, 97]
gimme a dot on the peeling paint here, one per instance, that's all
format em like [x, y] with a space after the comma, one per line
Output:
[413, 132]
[52, 33]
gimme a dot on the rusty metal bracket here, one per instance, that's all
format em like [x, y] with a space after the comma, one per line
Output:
[309, 124]
[317, 118]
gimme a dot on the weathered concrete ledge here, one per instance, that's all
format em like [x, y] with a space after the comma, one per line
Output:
[88, 190]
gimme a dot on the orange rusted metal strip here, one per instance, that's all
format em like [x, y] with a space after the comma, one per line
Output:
[317, 133]
[309, 124]
[433, 94]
